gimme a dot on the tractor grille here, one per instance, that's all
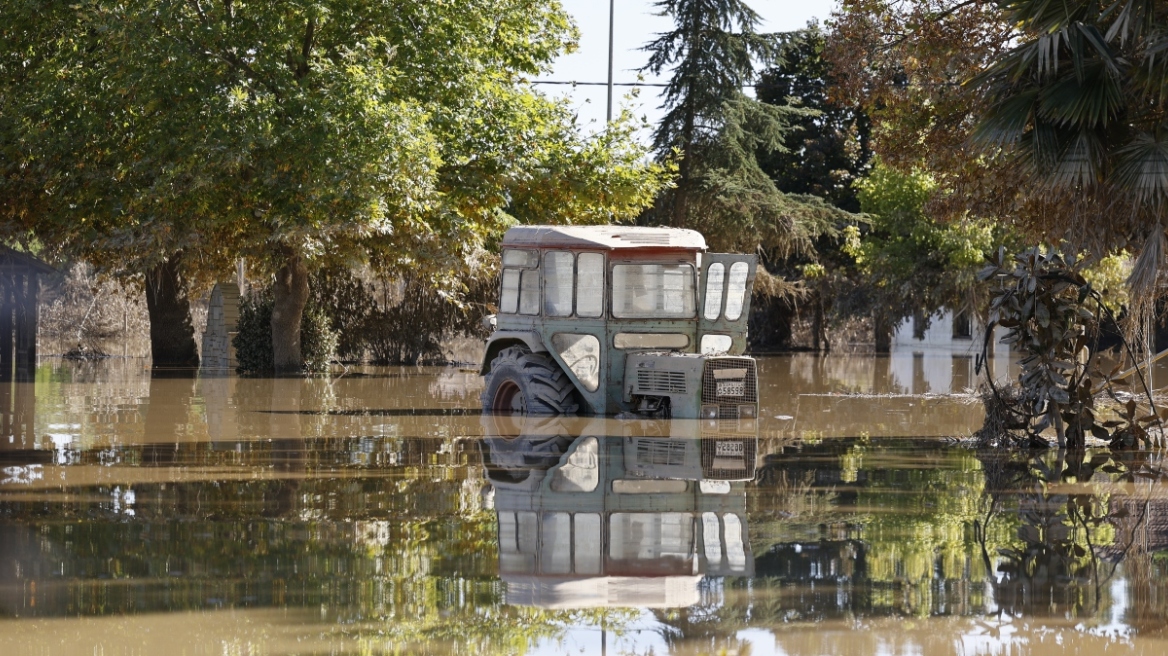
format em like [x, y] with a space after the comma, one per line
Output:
[651, 381]
[728, 458]
[660, 451]
[729, 382]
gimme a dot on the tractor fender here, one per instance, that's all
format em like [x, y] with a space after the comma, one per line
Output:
[501, 339]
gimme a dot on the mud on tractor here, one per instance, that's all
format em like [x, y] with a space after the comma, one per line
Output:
[620, 320]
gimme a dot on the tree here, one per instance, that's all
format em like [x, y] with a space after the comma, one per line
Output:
[827, 149]
[302, 134]
[908, 263]
[906, 64]
[1077, 104]
[717, 131]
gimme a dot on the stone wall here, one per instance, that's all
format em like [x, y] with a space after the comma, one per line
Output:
[222, 316]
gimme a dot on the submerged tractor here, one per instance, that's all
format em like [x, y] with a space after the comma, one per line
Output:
[620, 320]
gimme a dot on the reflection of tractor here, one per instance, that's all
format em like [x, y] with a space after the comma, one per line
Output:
[630, 520]
[610, 319]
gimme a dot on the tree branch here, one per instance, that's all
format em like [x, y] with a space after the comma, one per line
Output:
[302, 68]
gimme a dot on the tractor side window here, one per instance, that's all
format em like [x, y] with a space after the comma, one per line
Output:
[590, 285]
[509, 299]
[715, 281]
[529, 292]
[520, 288]
[557, 284]
[653, 291]
[736, 292]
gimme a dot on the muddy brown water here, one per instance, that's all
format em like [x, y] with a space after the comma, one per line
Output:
[379, 512]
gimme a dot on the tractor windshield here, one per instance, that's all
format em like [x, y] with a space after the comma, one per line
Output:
[653, 291]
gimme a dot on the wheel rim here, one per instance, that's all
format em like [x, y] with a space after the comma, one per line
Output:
[509, 399]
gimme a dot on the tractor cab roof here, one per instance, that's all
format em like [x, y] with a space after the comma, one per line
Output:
[607, 237]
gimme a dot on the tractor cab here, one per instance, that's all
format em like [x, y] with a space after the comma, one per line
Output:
[615, 319]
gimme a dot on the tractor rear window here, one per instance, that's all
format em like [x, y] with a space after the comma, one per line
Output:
[653, 291]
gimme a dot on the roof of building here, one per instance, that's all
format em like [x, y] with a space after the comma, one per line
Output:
[11, 259]
[607, 237]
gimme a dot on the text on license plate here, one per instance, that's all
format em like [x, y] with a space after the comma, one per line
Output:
[730, 449]
[731, 388]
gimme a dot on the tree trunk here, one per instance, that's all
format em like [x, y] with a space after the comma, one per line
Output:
[172, 336]
[819, 324]
[290, 294]
[882, 328]
[680, 218]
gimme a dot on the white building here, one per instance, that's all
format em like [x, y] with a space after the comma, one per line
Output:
[940, 358]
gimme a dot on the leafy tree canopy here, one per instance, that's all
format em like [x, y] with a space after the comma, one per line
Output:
[330, 130]
[910, 263]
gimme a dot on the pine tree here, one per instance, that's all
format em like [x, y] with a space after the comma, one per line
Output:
[828, 150]
[717, 130]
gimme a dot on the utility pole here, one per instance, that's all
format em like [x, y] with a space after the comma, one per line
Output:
[611, 14]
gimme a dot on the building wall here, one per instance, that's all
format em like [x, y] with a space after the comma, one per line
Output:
[941, 362]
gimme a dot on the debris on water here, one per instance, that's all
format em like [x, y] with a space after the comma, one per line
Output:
[784, 417]
[964, 397]
[82, 352]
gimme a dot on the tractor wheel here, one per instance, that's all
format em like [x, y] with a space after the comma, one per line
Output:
[522, 382]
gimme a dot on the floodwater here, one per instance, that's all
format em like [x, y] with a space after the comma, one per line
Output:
[378, 512]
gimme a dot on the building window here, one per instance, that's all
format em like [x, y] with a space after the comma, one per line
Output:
[962, 326]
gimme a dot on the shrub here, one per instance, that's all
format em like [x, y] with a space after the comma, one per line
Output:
[253, 339]
[346, 301]
[1052, 315]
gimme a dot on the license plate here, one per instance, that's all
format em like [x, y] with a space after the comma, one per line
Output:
[731, 388]
[728, 449]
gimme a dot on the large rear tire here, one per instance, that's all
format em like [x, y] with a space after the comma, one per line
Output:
[522, 382]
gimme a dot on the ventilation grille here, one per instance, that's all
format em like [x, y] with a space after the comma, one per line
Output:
[651, 381]
[729, 382]
[728, 458]
[660, 452]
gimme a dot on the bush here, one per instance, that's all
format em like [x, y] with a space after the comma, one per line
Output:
[346, 302]
[411, 330]
[253, 339]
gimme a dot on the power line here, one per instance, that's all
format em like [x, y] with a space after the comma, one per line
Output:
[600, 84]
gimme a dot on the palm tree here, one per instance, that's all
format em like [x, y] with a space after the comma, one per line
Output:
[1079, 104]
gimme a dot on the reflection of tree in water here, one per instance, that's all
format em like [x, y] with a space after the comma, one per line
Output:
[1066, 524]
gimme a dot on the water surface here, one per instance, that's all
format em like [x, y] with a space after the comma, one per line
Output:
[378, 512]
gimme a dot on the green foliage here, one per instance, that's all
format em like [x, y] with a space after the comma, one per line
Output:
[1077, 100]
[908, 263]
[1052, 315]
[393, 332]
[253, 338]
[717, 131]
[340, 131]
[400, 320]
[318, 341]
[347, 302]
[824, 150]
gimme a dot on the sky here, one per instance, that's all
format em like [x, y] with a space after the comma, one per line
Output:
[635, 25]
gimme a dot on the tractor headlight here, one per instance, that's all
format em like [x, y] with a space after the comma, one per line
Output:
[709, 411]
[747, 411]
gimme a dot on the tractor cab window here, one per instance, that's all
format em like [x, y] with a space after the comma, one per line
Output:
[557, 284]
[520, 291]
[564, 272]
[590, 285]
[653, 291]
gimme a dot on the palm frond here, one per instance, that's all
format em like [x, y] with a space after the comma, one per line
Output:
[1142, 168]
